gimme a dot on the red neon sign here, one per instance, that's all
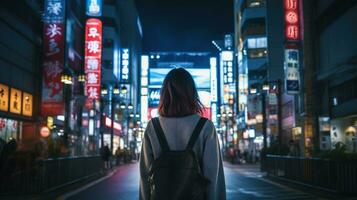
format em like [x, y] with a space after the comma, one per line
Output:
[292, 24]
[93, 56]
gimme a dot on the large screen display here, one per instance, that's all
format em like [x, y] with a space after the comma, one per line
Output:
[200, 76]
[154, 97]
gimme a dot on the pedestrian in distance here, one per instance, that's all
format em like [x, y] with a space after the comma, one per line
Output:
[105, 153]
[180, 157]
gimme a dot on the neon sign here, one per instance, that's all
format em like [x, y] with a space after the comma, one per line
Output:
[53, 58]
[125, 65]
[292, 26]
[93, 55]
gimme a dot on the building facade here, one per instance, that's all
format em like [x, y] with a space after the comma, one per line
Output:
[54, 65]
[270, 93]
[334, 58]
[21, 32]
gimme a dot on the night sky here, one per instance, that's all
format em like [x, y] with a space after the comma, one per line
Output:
[184, 25]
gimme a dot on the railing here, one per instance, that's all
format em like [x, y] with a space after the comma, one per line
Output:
[337, 176]
[49, 174]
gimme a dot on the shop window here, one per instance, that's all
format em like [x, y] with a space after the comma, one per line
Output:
[10, 129]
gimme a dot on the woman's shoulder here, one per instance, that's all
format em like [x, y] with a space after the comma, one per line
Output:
[209, 127]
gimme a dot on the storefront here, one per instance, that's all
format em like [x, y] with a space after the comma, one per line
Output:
[16, 109]
[10, 129]
[343, 131]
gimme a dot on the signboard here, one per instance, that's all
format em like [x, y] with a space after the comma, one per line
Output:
[94, 8]
[144, 109]
[125, 65]
[53, 58]
[144, 89]
[324, 124]
[214, 84]
[27, 104]
[15, 101]
[154, 97]
[54, 11]
[4, 97]
[292, 21]
[93, 56]
[201, 76]
[45, 131]
[292, 74]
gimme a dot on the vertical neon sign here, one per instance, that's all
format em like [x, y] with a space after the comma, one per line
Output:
[292, 26]
[53, 58]
[292, 35]
[93, 55]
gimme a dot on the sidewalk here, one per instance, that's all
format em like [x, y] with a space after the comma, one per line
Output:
[65, 189]
[253, 171]
[248, 170]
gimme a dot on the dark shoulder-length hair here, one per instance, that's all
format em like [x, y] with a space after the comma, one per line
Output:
[178, 96]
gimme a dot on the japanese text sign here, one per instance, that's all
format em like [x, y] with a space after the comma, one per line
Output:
[53, 58]
[292, 23]
[4, 97]
[27, 104]
[15, 101]
[54, 11]
[292, 74]
[93, 56]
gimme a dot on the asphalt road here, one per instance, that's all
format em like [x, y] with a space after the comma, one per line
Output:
[242, 182]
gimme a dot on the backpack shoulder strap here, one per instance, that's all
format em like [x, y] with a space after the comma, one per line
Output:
[160, 135]
[196, 133]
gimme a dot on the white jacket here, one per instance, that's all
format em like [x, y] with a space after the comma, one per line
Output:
[177, 132]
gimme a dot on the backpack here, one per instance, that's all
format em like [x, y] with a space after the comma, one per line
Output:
[177, 175]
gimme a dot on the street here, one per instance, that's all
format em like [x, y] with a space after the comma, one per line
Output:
[242, 182]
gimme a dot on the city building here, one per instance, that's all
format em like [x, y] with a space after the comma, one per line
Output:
[56, 63]
[330, 35]
[122, 34]
[20, 76]
[251, 52]
[227, 87]
[268, 51]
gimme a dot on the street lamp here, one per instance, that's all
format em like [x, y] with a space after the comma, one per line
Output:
[66, 79]
[266, 86]
[131, 115]
[104, 91]
[253, 90]
[122, 105]
[124, 90]
[116, 90]
[130, 106]
[82, 78]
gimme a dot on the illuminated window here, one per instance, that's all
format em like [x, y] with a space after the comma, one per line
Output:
[255, 43]
[255, 3]
[257, 53]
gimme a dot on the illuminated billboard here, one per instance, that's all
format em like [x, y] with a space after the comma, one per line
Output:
[201, 76]
[92, 58]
